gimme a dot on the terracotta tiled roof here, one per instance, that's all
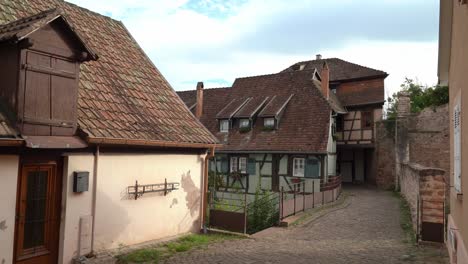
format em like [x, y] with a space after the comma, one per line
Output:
[19, 29]
[122, 95]
[342, 71]
[303, 123]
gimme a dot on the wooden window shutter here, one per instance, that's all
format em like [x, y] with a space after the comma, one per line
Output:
[312, 168]
[251, 166]
[224, 165]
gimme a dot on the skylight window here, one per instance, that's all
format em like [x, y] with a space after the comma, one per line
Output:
[244, 123]
[269, 122]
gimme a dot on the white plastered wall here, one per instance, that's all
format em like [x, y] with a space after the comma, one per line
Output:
[9, 178]
[75, 205]
[122, 220]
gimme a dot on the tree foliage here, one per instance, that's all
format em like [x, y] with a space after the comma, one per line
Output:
[421, 97]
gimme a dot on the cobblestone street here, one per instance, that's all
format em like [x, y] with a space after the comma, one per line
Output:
[365, 230]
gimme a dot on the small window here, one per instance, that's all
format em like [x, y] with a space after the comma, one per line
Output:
[244, 123]
[233, 164]
[366, 119]
[224, 126]
[243, 165]
[339, 123]
[298, 167]
[269, 122]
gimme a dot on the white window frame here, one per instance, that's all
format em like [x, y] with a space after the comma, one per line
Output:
[233, 164]
[242, 165]
[267, 120]
[244, 123]
[298, 170]
[224, 126]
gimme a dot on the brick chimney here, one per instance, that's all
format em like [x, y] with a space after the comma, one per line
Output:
[199, 106]
[325, 75]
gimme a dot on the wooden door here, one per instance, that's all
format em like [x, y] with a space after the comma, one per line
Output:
[346, 170]
[38, 214]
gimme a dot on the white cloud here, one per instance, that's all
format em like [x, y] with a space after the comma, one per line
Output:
[189, 44]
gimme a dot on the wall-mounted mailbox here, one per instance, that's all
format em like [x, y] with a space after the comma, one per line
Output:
[80, 181]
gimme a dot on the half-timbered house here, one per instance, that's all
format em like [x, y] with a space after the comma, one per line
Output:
[276, 130]
[361, 91]
[96, 148]
[312, 121]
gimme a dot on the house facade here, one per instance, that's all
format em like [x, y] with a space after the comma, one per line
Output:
[307, 124]
[453, 38]
[96, 148]
[265, 126]
[361, 91]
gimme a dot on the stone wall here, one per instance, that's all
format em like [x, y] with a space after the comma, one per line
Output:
[425, 186]
[385, 155]
[422, 138]
[429, 138]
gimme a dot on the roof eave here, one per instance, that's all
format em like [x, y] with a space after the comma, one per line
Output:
[11, 142]
[370, 77]
[150, 143]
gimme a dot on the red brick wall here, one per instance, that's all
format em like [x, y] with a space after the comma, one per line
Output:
[358, 86]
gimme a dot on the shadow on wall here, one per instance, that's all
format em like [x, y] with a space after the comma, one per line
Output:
[114, 219]
[192, 200]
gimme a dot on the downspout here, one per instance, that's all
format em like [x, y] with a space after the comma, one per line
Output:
[210, 155]
[93, 206]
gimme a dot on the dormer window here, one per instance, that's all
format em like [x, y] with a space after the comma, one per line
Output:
[269, 122]
[244, 123]
[224, 126]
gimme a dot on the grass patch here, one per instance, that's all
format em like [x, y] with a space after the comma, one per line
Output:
[405, 219]
[164, 251]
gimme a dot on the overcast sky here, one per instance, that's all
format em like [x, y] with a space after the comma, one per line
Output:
[216, 41]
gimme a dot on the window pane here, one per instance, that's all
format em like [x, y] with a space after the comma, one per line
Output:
[36, 200]
[243, 165]
[298, 168]
[269, 122]
[224, 126]
[244, 123]
[233, 164]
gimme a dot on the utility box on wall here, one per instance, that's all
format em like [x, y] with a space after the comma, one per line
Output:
[80, 181]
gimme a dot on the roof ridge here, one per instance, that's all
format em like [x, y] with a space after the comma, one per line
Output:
[361, 65]
[36, 16]
[209, 89]
[271, 74]
[72, 5]
[335, 58]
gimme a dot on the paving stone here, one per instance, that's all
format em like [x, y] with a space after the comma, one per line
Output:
[366, 231]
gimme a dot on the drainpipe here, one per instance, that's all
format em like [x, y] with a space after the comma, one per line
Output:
[210, 155]
[93, 206]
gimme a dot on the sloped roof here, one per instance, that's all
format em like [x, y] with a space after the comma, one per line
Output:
[340, 70]
[20, 29]
[122, 95]
[304, 123]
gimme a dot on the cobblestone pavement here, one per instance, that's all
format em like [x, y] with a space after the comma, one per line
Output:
[367, 230]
